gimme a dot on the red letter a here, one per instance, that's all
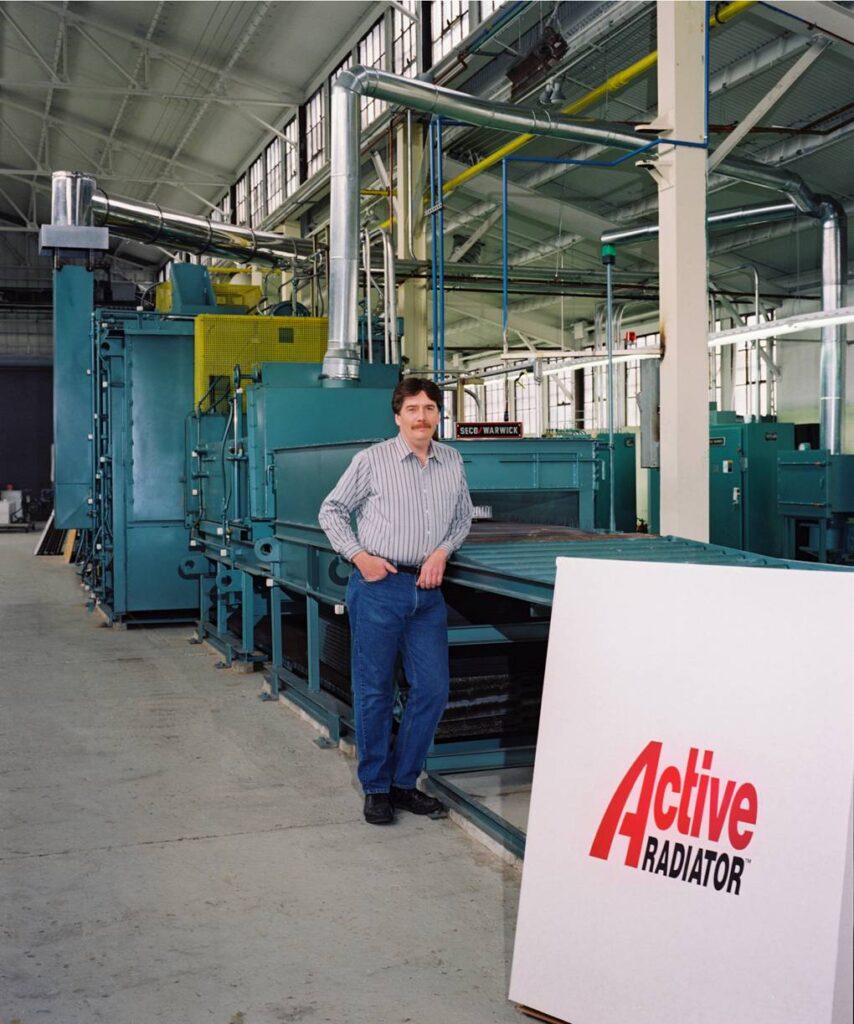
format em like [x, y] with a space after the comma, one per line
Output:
[633, 823]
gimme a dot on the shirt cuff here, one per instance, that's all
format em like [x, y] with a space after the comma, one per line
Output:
[351, 551]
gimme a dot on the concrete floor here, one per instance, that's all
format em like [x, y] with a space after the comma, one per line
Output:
[173, 848]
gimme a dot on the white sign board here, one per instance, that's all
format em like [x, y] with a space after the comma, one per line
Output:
[689, 850]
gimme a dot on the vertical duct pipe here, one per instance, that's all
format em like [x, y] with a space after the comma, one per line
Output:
[834, 253]
[341, 362]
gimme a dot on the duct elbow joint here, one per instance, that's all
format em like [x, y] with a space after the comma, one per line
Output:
[352, 79]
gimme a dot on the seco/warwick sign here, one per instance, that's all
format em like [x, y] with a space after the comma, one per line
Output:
[499, 431]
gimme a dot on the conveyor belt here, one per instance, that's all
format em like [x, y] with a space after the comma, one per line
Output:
[519, 559]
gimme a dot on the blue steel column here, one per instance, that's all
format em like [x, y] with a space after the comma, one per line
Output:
[312, 609]
[247, 597]
[433, 249]
[440, 191]
[608, 256]
[504, 254]
[276, 651]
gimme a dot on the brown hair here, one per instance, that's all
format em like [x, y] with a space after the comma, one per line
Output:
[409, 387]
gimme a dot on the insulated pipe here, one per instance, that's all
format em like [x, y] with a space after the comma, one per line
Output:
[770, 177]
[76, 201]
[834, 254]
[150, 224]
[740, 215]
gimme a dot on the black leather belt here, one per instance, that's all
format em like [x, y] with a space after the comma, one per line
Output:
[415, 570]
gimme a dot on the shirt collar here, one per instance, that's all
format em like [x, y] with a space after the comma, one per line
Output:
[402, 449]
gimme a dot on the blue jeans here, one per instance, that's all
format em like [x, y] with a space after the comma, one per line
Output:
[389, 617]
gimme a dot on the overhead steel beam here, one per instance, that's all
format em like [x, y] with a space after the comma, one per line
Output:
[5, 124]
[130, 179]
[64, 85]
[158, 50]
[769, 100]
[42, 152]
[77, 125]
[104, 53]
[258, 15]
[474, 237]
[766, 57]
[141, 66]
[832, 18]
[27, 41]
[794, 149]
[28, 221]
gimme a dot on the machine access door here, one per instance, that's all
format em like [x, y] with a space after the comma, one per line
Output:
[726, 485]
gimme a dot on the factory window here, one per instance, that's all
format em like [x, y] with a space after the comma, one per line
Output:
[495, 398]
[561, 414]
[528, 403]
[404, 39]
[223, 211]
[346, 63]
[744, 374]
[291, 151]
[591, 398]
[257, 204]
[240, 201]
[450, 26]
[371, 53]
[273, 160]
[315, 132]
[633, 379]
[488, 8]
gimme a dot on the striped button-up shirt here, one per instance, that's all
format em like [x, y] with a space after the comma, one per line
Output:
[404, 510]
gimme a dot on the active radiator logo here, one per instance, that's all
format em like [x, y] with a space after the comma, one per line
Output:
[695, 803]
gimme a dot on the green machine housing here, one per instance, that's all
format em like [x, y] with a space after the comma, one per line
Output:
[742, 484]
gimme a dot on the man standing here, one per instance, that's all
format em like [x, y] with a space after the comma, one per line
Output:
[412, 510]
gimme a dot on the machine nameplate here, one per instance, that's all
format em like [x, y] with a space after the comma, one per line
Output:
[488, 431]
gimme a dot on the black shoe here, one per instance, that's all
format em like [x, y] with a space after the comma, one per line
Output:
[416, 801]
[378, 809]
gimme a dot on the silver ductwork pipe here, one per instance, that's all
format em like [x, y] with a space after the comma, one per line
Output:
[76, 201]
[342, 356]
[341, 361]
[71, 199]
[770, 177]
[739, 215]
[834, 256]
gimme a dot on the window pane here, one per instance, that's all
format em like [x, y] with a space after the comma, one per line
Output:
[257, 201]
[273, 158]
[372, 55]
[315, 132]
[291, 148]
[404, 44]
[240, 201]
[488, 7]
[450, 26]
[223, 212]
